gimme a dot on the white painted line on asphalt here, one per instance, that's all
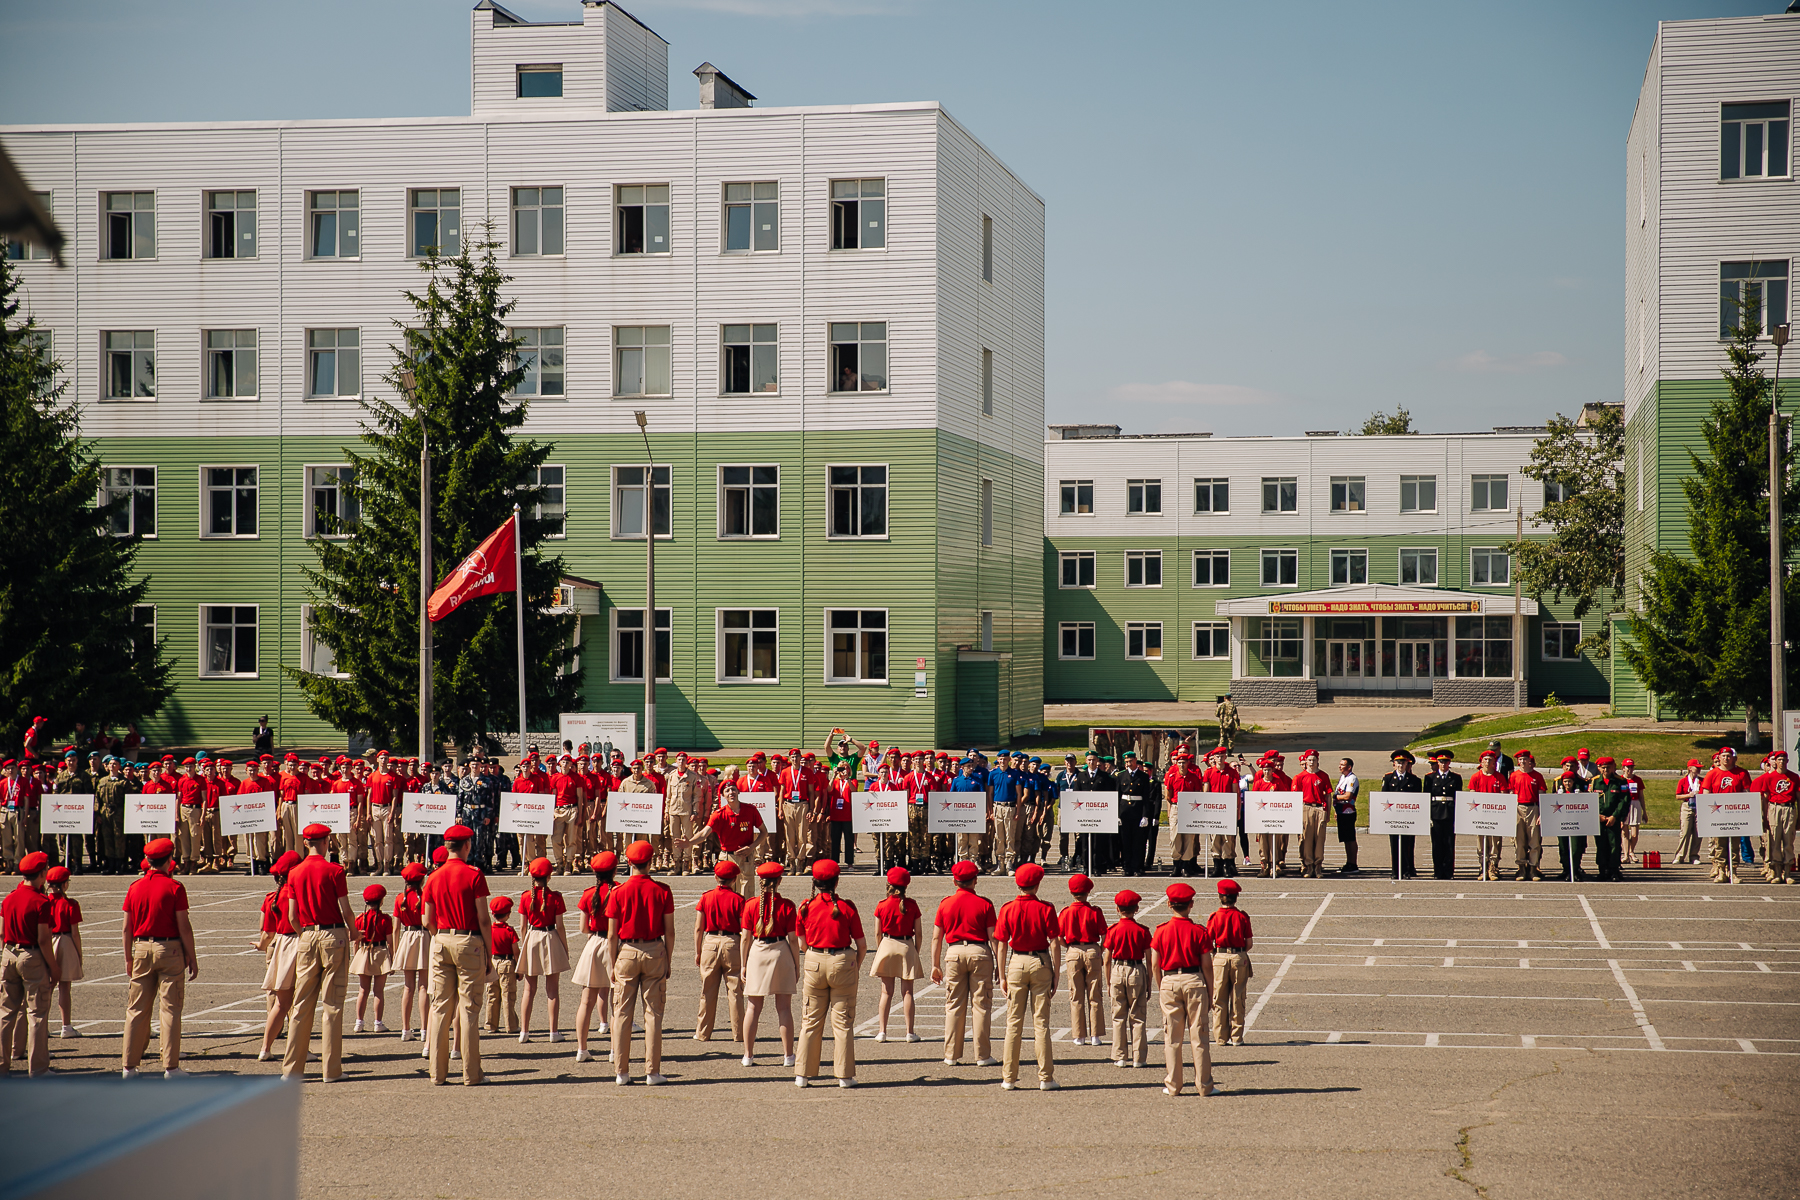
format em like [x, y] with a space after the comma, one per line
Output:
[1449, 962]
[1527, 1041]
[1748, 1045]
[1431, 1039]
[1674, 945]
[1263, 1000]
[1643, 897]
[1743, 945]
[1637, 1007]
[1524, 964]
[1317, 913]
[1523, 945]
[1688, 965]
[1335, 1037]
[1379, 942]
[1462, 895]
[1763, 967]
[1369, 961]
[1599, 934]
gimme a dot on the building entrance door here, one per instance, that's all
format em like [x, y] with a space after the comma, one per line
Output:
[1414, 660]
[1349, 660]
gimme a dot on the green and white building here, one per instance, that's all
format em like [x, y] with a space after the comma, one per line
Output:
[832, 316]
[1290, 570]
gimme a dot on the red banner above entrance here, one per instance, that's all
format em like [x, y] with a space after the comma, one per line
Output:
[1334, 607]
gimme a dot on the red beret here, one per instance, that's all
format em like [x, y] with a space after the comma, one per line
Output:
[440, 856]
[57, 874]
[1228, 887]
[1180, 893]
[1029, 875]
[412, 871]
[34, 862]
[1080, 885]
[825, 870]
[899, 877]
[639, 853]
[725, 869]
[1604, 761]
[458, 833]
[769, 870]
[500, 905]
[1126, 899]
[374, 892]
[289, 860]
[539, 869]
[315, 831]
[160, 848]
[606, 860]
[964, 871]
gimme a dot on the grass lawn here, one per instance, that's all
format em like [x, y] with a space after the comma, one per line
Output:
[1651, 751]
[1473, 725]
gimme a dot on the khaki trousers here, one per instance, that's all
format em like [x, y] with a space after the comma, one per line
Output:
[828, 983]
[1231, 976]
[381, 835]
[321, 977]
[1225, 846]
[212, 844]
[535, 846]
[287, 828]
[1528, 839]
[794, 836]
[1272, 848]
[640, 968]
[458, 973]
[1087, 1013]
[12, 837]
[1687, 849]
[189, 835]
[503, 990]
[968, 846]
[1186, 846]
[1028, 982]
[158, 970]
[968, 975]
[719, 965]
[1780, 840]
[565, 838]
[25, 1008]
[681, 855]
[1006, 835]
[1487, 854]
[1131, 1005]
[1184, 1005]
[1313, 819]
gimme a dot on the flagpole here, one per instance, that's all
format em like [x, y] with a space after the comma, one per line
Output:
[519, 582]
[427, 750]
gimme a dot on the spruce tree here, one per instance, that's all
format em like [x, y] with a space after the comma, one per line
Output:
[1702, 639]
[67, 647]
[463, 366]
[1585, 556]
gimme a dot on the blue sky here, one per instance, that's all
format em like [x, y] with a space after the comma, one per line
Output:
[1262, 218]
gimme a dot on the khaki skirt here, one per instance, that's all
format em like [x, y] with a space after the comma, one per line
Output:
[593, 966]
[371, 960]
[284, 959]
[771, 970]
[410, 950]
[68, 959]
[542, 953]
[896, 959]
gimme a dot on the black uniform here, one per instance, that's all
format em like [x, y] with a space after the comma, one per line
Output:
[1400, 845]
[1139, 797]
[1571, 850]
[1443, 789]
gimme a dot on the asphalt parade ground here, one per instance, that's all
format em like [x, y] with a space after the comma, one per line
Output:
[1425, 1038]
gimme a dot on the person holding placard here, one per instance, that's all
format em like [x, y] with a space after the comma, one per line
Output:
[1127, 947]
[1030, 960]
[1778, 786]
[109, 818]
[770, 950]
[962, 960]
[718, 924]
[1181, 969]
[280, 948]
[1315, 791]
[640, 915]
[374, 956]
[1083, 929]
[897, 953]
[381, 791]
[1614, 801]
[1634, 808]
[1400, 845]
[593, 970]
[29, 970]
[681, 791]
[832, 930]
[1528, 839]
[545, 952]
[1487, 781]
[638, 784]
[318, 903]
[1271, 848]
[565, 832]
[190, 822]
[159, 947]
[1570, 850]
[1222, 779]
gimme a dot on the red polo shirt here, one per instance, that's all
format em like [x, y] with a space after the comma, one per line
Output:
[506, 940]
[539, 907]
[1027, 924]
[782, 920]
[721, 911]
[1230, 928]
[316, 884]
[1314, 788]
[1081, 922]
[1127, 940]
[1486, 783]
[1777, 787]
[639, 905]
[1179, 942]
[151, 904]
[409, 909]
[567, 789]
[898, 917]
[735, 830]
[593, 908]
[23, 910]
[828, 926]
[965, 916]
[190, 792]
[455, 892]
[1527, 786]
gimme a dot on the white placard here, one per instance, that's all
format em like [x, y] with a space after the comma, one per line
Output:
[426, 812]
[1720, 814]
[1487, 814]
[330, 809]
[763, 802]
[1088, 812]
[598, 730]
[638, 812]
[1272, 812]
[878, 812]
[1571, 814]
[956, 812]
[249, 812]
[1206, 812]
[71, 813]
[1790, 731]
[530, 812]
[1399, 812]
[150, 812]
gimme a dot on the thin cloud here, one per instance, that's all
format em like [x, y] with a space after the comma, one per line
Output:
[1480, 362]
[1180, 391]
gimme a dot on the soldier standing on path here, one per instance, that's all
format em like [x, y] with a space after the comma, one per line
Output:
[1227, 716]
[1615, 799]
[109, 818]
[1442, 785]
[1139, 798]
[1400, 845]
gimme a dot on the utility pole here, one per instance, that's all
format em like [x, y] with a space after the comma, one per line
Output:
[1777, 565]
[427, 749]
[643, 422]
[1518, 631]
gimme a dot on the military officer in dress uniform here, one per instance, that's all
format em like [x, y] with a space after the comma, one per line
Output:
[1442, 785]
[1400, 845]
[1140, 798]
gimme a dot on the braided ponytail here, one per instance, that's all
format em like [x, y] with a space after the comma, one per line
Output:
[765, 908]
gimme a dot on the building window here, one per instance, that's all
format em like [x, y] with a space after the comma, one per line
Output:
[747, 359]
[1143, 639]
[1560, 640]
[1143, 497]
[748, 644]
[859, 501]
[987, 512]
[537, 221]
[143, 631]
[1212, 495]
[749, 502]
[858, 214]
[541, 81]
[642, 211]
[1555, 493]
[130, 224]
[987, 382]
[540, 353]
[858, 356]
[332, 509]
[316, 658]
[131, 365]
[136, 486]
[231, 364]
[1418, 493]
[1212, 639]
[628, 502]
[17, 249]
[1489, 567]
[987, 249]
[987, 631]
[1349, 567]
[856, 645]
[1347, 493]
[43, 343]
[1275, 643]
[1487, 493]
[752, 217]
[1212, 568]
[231, 224]
[1484, 647]
[229, 502]
[1753, 140]
[436, 222]
[1077, 568]
[1076, 640]
[1143, 568]
[1077, 497]
[1752, 291]
[228, 639]
[1281, 568]
[1280, 495]
[331, 230]
[552, 505]
[641, 360]
[334, 370]
[628, 645]
[1419, 566]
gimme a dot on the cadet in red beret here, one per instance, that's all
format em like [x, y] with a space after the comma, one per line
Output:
[593, 968]
[159, 946]
[770, 950]
[281, 955]
[1030, 961]
[503, 968]
[318, 903]
[1127, 946]
[1083, 927]
[462, 944]
[640, 916]
[718, 923]
[962, 959]
[1229, 928]
[411, 950]
[1181, 967]
[544, 954]
[65, 943]
[28, 968]
[897, 954]
[373, 957]
[833, 932]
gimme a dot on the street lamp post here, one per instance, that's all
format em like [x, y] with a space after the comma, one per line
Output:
[1777, 567]
[426, 751]
[643, 423]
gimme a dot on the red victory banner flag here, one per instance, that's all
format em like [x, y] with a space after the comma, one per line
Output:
[491, 567]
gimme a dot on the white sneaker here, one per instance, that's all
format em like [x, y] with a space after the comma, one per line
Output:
[801, 1081]
[128, 1073]
[1007, 1085]
[847, 1083]
[951, 1062]
[1119, 1062]
[583, 1056]
[359, 1028]
[622, 1080]
[524, 1036]
[455, 1054]
[68, 1031]
[787, 1060]
[1049, 1085]
[605, 1029]
[1237, 1041]
[655, 1080]
[1169, 1091]
[379, 1027]
[556, 1035]
[990, 1061]
[881, 1036]
[175, 1073]
[406, 1035]
[425, 1052]
[913, 1037]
